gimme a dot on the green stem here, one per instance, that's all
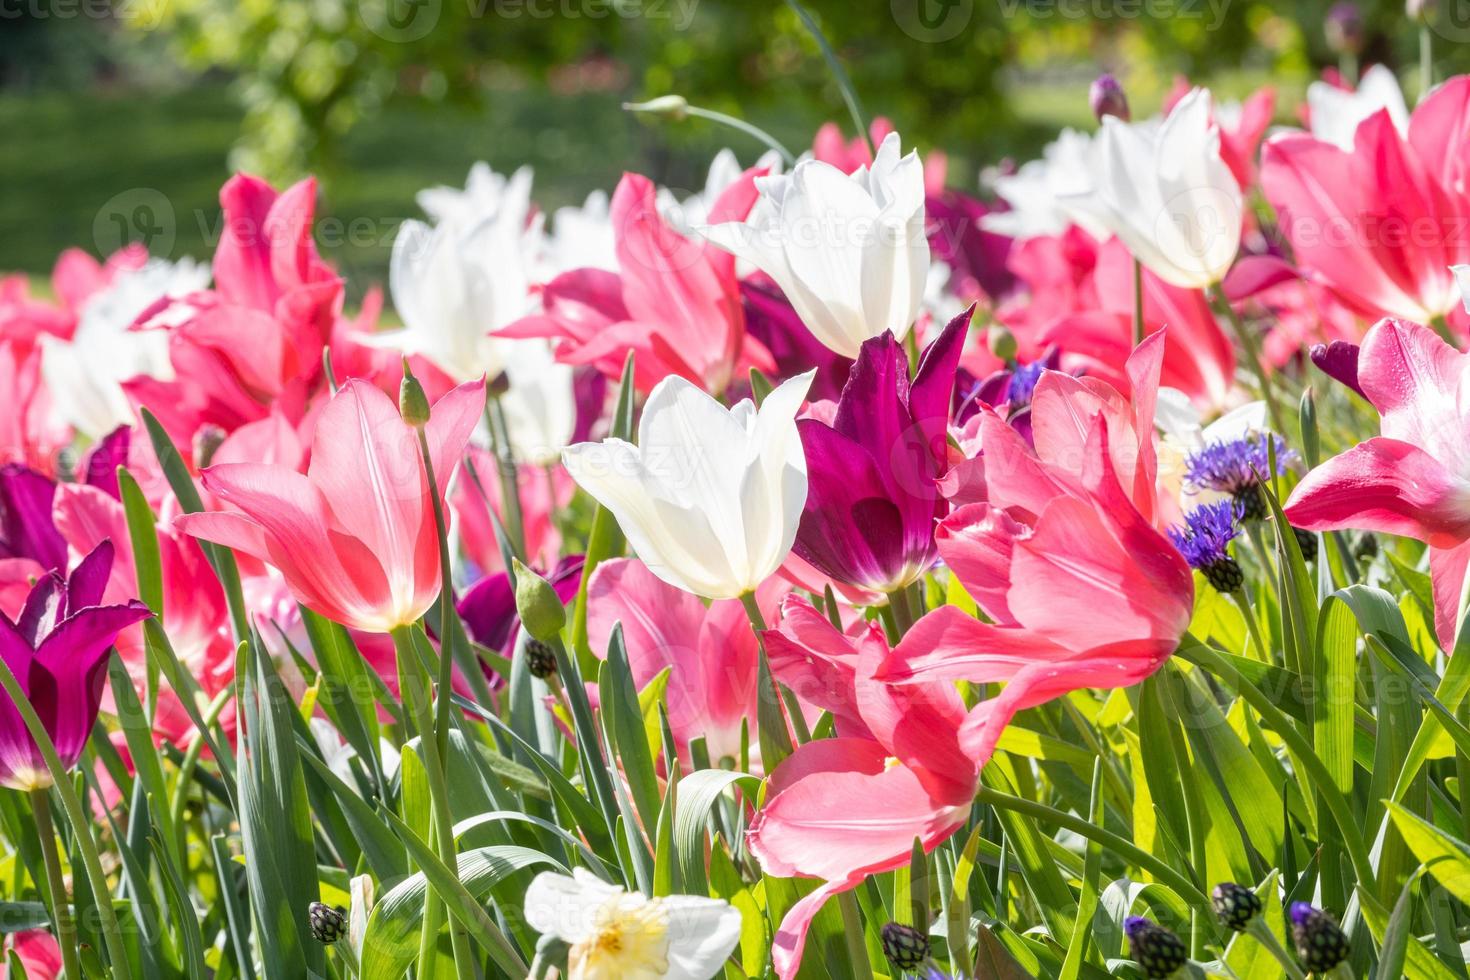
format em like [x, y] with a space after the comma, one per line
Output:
[852, 935]
[1251, 625]
[775, 739]
[1119, 845]
[1426, 57]
[413, 686]
[1253, 354]
[505, 469]
[66, 929]
[1261, 932]
[744, 127]
[903, 616]
[1207, 658]
[191, 758]
[1137, 302]
[844, 84]
[80, 822]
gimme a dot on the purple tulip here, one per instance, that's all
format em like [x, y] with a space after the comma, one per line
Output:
[976, 257]
[1339, 361]
[871, 497]
[26, 529]
[57, 649]
[770, 319]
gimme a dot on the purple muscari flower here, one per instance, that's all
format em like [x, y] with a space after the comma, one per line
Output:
[1320, 942]
[976, 257]
[1011, 387]
[57, 649]
[1204, 541]
[26, 530]
[1236, 467]
[488, 608]
[871, 495]
[1339, 361]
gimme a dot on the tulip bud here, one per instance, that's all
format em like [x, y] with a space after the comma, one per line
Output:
[1154, 948]
[1344, 28]
[1107, 98]
[1307, 541]
[413, 403]
[1235, 905]
[328, 922]
[498, 385]
[1320, 942]
[1002, 343]
[206, 442]
[674, 106]
[905, 947]
[540, 658]
[540, 608]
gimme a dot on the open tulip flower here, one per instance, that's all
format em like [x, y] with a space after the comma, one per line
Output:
[710, 497]
[57, 648]
[830, 574]
[355, 535]
[1412, 479]
[872, 498]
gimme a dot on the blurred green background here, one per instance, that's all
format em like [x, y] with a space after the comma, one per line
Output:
[104, 101]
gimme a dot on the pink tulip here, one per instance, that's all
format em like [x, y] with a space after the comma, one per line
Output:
[355, 536]
[1082, 302]
[710, 651]
[1412, 479]
[675, 301]
[1382, 224]
[844, 808]
[255, 340]
[29, 432]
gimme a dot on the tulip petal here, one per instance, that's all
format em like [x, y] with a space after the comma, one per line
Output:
[1384, 485]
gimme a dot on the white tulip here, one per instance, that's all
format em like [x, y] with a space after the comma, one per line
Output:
[456, 281]
[581, 237]
[849, 251]
[540, 407]
[1164, 190]
[1041, 193]
[616, 933]
[688, 215]
[85, 374]
[1462, 279]
[710, 497]
[1335, 113]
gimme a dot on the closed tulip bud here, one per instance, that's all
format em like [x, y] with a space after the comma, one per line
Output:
[1107, 98]
[328, 922]
[540, 608]
[1320, 942]
[676, 107]
[206, 441]
[1235, 905]
[905, 947]
[1344, 28]
[1002, 343]
[1156, 949]
[413, 403]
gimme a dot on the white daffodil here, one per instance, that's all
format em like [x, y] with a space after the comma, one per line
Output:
[620, 935]
[1334, 113]
[1041, 193]
[710, 497]
[540, 407]
[1163, 189]
[85, 374]
[849, 251]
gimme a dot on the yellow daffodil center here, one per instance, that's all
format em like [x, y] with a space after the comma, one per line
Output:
[630, 940]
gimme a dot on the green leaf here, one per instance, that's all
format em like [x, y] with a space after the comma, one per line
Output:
[392, 939]
[1336, 685]
[698, 792]
[275, 822]
[622, 724]
[1443, 857]
[143, 533]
